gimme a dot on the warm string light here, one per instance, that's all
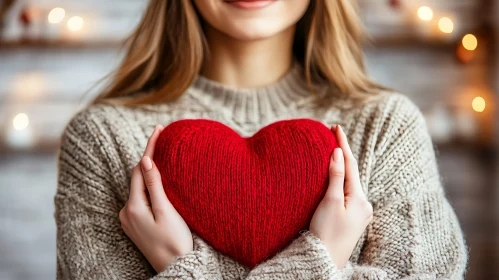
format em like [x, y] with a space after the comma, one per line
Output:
[478, 104]
[470, 42]
[20, 121]
[465, 50]
[425, 13]
[446, 25]
[75, 24]
[56, 15]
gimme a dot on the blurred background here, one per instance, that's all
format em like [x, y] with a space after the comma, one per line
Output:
[443, 54]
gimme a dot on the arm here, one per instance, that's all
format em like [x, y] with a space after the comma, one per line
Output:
[90, 241]
[414, 233]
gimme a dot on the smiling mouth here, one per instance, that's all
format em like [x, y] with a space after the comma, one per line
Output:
[250, 4]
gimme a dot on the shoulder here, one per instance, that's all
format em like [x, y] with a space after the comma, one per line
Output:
[390, 114]
[90, 132]
[399, 126]
[94, 122]
[392, 107]
[386, 120]
[92, 115]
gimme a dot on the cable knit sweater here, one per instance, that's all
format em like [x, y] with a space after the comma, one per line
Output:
[414, 233]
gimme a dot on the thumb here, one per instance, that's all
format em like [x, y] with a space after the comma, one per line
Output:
[152, 180]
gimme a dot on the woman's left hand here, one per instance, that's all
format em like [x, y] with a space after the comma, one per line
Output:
[344, 212]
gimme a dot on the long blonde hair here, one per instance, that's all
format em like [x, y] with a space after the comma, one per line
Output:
[166, 51]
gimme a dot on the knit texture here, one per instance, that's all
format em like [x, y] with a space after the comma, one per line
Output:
[414, 233]
[250, 197]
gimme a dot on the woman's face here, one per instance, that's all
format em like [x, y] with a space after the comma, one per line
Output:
[251, 19]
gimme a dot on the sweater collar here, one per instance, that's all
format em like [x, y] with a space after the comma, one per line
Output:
[253, 104]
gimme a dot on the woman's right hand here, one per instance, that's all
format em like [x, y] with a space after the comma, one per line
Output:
[344, 212]
[149, 219]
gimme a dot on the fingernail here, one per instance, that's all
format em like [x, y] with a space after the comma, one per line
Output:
[337, 155]
[159, 127]
[146, 163]
[341, 129]
[333, 127]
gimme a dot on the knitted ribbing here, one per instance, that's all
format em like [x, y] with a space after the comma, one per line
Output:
[414, 233]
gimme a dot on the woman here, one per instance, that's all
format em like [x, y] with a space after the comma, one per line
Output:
[248, 64]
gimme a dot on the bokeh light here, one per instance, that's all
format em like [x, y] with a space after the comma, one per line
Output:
[470, 42]
[478, 104]
[20, 122]
[56, 15]
[75, 23]
[446, 25]
[425, 13]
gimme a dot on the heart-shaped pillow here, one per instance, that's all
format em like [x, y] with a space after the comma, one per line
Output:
[247, 197]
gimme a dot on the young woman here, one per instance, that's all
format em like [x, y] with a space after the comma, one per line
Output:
[248, 64]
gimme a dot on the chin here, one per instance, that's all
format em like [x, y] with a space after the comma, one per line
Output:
[252, 32]
[251, 24]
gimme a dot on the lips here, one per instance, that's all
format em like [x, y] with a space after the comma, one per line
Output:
[246, 0]
[250, 4]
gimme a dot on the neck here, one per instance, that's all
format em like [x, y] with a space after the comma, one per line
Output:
[248, 63]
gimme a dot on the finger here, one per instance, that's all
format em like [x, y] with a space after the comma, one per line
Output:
[351, 167]
[138, 196]
[343, 143]
[336, 178]
[152, 180]
[151, 143]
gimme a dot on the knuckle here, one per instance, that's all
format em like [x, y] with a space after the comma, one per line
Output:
[367, 208]
[159, 210]
[370, 218]
[150, 180]
[337, 173]
[333, 199]
[363, 205]
[122, 215]
[132, 212]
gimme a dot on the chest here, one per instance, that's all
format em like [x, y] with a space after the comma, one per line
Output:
[142, 128]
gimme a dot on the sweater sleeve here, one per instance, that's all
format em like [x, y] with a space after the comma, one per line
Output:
[90, 241]
[305, 258]
[414, 234]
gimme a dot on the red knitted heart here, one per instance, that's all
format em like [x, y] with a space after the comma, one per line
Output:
[247, 197]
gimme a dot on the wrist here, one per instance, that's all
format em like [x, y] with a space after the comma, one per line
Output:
[338, 255]
[160, 263]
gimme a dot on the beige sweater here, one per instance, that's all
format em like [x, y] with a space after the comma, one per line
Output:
[414, 234]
